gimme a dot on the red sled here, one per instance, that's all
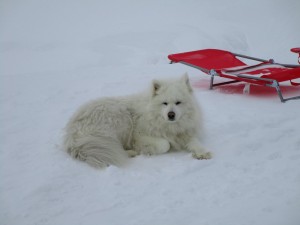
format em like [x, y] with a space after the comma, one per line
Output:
[215, 62]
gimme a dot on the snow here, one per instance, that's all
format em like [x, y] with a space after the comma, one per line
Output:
[56, 55]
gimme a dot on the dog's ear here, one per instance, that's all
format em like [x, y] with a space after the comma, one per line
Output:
[155, 87]
[185, 79]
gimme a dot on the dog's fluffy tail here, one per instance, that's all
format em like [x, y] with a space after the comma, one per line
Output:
[97, 151]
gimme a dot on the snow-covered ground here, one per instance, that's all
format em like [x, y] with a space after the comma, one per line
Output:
[56, 55]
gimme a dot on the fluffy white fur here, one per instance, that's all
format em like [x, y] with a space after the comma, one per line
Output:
[108, 130]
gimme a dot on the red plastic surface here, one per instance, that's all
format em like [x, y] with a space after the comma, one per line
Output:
[279, 74]
[208, 59]
[295, 50]
[284, 74]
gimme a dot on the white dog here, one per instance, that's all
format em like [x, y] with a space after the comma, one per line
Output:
[108, 130]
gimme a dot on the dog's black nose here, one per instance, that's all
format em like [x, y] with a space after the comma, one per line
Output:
[171, 115]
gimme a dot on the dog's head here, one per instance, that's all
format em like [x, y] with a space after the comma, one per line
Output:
[173, 98]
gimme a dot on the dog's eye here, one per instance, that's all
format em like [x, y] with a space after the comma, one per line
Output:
[178, 103]
[165, 103]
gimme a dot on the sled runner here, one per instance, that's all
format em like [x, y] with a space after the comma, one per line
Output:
[215, 62]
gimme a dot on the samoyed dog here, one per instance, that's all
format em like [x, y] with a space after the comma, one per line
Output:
[109, 130]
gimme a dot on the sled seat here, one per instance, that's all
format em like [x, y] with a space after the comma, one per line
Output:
[215, 62]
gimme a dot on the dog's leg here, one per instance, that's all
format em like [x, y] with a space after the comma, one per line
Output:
[152, 145]
[198, 151]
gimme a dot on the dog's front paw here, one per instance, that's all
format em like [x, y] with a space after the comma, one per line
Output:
[132, 153]
[202, 155]
[157, 146]
[198, 151]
